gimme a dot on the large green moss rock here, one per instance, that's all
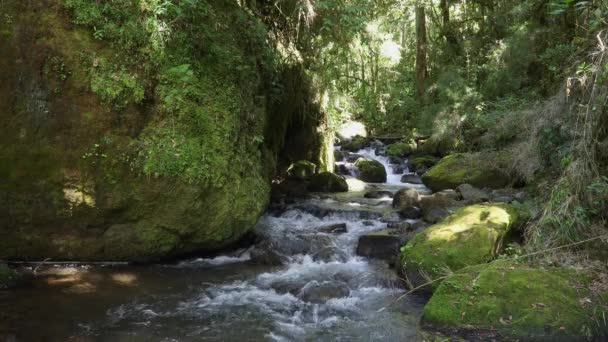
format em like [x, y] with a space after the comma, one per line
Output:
[302, 169]
[371, 171]
[479, 170]
[400, 149]
[472, 235]
[512, 301]
[356, 143]
[8, 277]
[118, 150]
[328, 182]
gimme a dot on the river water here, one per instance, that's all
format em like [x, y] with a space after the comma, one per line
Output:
[230, 298]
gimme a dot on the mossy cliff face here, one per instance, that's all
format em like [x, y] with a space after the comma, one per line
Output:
[479, 170]
[126, 140]
[472, 235]
[519, 302]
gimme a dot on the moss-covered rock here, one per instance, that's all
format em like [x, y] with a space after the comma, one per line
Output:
[518, 302]
[400, 149]
[480, 170]
[371, 170]
[356, 143]
[472, 235]
[328, 182]
[302, 169]
[418, 162]
[8, 277]
[121, 151]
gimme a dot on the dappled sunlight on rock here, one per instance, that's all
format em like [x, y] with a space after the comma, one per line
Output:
[469, 219]
[472, 235]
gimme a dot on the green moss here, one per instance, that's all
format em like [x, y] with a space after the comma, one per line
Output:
[356, 143]
[302, 169]
[400, 149]
[479, 170]
[472, 235]
[328, 182]
[371, 170]
[416, 162]
[517, 302]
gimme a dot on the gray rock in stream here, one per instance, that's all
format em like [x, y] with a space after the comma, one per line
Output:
[411, 178]
[383, 244]
[319, 293]
[338, 228]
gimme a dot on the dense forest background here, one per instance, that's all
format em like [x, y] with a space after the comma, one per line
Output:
[523, 83]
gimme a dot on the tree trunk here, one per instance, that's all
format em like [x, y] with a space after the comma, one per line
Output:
[448, 32]
[421, 53]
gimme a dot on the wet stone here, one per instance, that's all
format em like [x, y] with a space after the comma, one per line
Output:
[411, 213]
[338, 228]
[411, 178]
[319, 293]
[398, 169]
[382, 244]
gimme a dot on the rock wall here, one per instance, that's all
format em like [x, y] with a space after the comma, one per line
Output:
[99, 155]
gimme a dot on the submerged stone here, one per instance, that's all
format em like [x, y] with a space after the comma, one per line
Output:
[338, 228]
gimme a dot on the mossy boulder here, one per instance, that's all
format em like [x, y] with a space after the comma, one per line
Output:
[422, 161]
[480, 170]
[472, 235]
[371, 171]
[328, 182]
[302, 169]
[101, 163]
[356, 143]
[513, 301]
[8, 277]
[400, 149]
